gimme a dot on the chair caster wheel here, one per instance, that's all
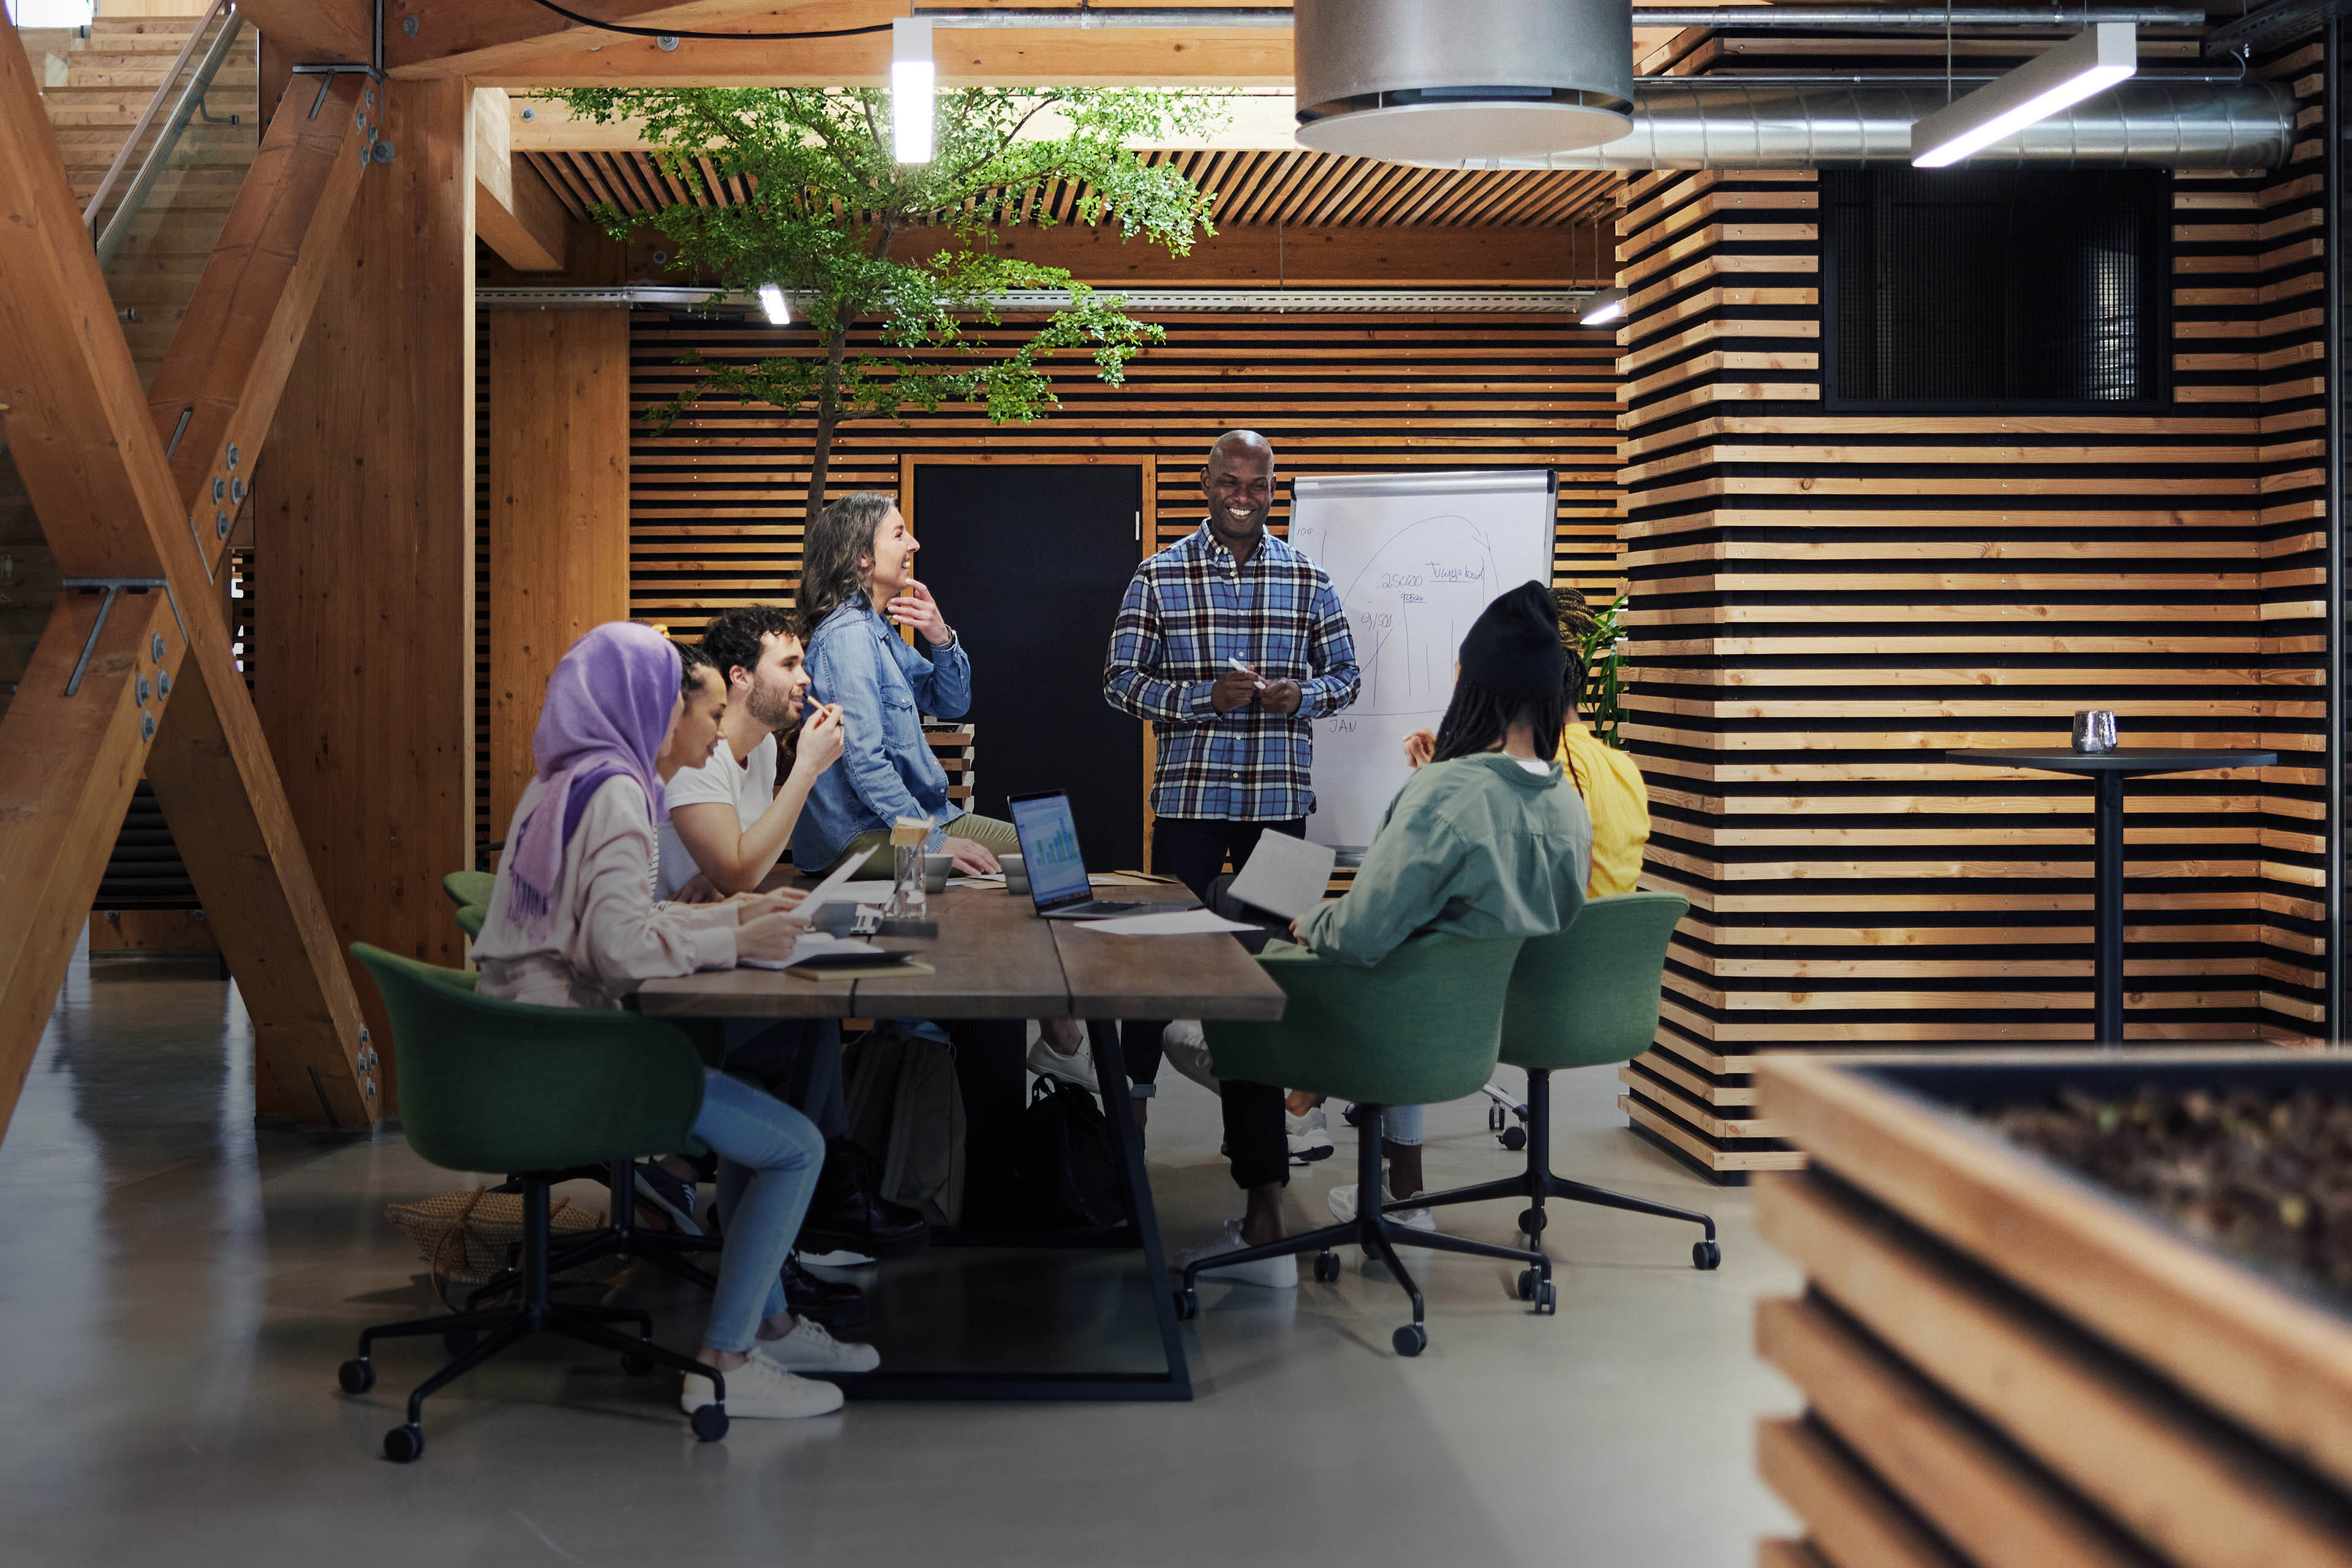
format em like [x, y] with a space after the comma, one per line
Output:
[1547, 1300]
[457, 1341]
[1326, 1267]
[1527, 1284]
[1531, 1222]
[636, 1363]
[1514, 1139]
[1410, 1339]
[404, 1445]
[1188, 1305]
[709, 1423]
[356, 1377]
[1705, 1255]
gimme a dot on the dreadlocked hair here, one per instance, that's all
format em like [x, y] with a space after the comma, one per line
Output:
[838, 553]
[1478, 721]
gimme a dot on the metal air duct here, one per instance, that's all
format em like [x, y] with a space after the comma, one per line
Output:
[1422, 80]
[2148, 122]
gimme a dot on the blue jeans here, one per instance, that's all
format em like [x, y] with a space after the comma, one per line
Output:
[1401, 1124]
[769, 1157]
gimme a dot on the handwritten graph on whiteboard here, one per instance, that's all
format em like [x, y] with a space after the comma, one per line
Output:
[1414, 558]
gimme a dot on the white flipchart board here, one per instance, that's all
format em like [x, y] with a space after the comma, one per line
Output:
[1414, 558]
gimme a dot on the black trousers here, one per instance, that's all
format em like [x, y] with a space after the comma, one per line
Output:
[1192, 849]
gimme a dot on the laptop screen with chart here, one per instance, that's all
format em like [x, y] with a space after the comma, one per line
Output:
[1049, 850]
[1413, 558]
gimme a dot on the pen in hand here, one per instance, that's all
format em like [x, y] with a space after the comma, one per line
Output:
[1246, 669]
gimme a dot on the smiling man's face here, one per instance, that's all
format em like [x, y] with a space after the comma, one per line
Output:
[1239, 481]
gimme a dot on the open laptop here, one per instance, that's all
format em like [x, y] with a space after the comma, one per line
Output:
[1057, 868]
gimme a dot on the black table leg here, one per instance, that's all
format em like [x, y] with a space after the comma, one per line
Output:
[2107, 961]
[1127, 1149]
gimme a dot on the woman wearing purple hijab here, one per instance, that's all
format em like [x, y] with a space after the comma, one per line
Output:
[572, 924]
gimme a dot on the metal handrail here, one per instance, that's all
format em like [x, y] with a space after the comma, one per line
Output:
[147, 116]
[118, 228]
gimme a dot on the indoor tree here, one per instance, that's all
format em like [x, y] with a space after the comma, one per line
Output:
[829, 203]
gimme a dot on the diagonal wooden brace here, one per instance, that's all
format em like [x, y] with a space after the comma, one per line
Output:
[93, 463]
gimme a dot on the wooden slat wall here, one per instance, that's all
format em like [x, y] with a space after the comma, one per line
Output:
[716, 504]
[1825, 603]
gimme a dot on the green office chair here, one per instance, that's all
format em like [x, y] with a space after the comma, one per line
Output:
[466, 888]
[487, 1085]
[470, 918]
[1423, 1026]
[1584, 996]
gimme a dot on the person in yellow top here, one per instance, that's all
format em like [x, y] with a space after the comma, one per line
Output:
[1614, 795]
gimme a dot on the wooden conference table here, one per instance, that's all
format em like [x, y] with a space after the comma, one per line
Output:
[995, 959]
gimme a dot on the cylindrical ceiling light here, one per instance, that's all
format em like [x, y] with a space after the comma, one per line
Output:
[1436, 82]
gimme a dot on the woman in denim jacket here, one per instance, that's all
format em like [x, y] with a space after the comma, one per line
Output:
[858, 555]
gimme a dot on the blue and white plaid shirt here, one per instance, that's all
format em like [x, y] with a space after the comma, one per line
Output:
[1189, 610]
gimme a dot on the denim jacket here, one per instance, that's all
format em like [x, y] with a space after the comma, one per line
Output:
[887, 769]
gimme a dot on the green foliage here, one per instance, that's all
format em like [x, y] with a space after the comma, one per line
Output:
[828, 200]
[1604, 645]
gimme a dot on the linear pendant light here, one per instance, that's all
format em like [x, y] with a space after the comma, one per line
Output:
[2091, 61]
[913, 81]
[1603, 307]
[772, 300]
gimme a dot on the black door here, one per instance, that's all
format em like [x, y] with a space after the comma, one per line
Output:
[1029, 563]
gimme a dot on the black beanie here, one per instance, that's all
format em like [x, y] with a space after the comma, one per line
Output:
[1513, 648]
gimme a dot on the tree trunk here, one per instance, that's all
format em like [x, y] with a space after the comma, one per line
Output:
[828, 418]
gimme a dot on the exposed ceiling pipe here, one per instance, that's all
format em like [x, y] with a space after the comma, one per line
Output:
[1814, 17]
[1727, 123]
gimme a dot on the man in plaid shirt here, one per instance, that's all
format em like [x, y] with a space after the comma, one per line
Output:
[1234, 746]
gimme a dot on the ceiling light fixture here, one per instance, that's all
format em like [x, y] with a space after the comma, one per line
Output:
[771, 299]
[2091, 61]
[913, 81]
[1603, 307]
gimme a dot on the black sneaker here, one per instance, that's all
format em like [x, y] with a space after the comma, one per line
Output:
[667, 1196]
[829, 1300]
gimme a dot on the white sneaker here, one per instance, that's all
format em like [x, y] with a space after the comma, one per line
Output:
[1185, 1047]
[810, 1347]
[1311, 1136]
[1273, 1273]
[839, 1257]
[760, 1390]
[1343, 1207]
[1079, 1068]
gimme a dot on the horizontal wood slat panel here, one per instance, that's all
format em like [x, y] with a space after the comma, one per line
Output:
[716, 503]
[1824, 603]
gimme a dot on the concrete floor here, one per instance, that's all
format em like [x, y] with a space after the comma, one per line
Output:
[177, 1291]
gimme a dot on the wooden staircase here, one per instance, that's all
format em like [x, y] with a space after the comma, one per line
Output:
[96, 84]
[95, 88]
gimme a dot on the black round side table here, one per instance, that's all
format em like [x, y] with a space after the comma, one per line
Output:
[2110, 769]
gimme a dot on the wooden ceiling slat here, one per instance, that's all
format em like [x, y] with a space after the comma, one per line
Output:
[1429, 196]
[557, 172]
[1271, 205]
[1351, 177]
[1234, 201]
[1372, 195]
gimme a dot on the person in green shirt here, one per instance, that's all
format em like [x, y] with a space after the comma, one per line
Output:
[1482, 842]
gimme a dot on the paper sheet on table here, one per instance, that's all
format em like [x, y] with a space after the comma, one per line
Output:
[838, 889]
[815, 944]
[1179, 922]
[1284, 875]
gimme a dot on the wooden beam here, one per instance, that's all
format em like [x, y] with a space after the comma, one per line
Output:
[1259, 255]
[514, 212]
[1218, 58]
[1253, 122]
[79, 730]
[316, 29]
[211, 767]
[559, 512]
[363, 511]
[480, 35]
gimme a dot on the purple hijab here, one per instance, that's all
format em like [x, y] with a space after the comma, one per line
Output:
[608, 707]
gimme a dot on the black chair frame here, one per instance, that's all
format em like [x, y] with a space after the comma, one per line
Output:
[473, 1336]
[1536, 1183]
[1372, 1230]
